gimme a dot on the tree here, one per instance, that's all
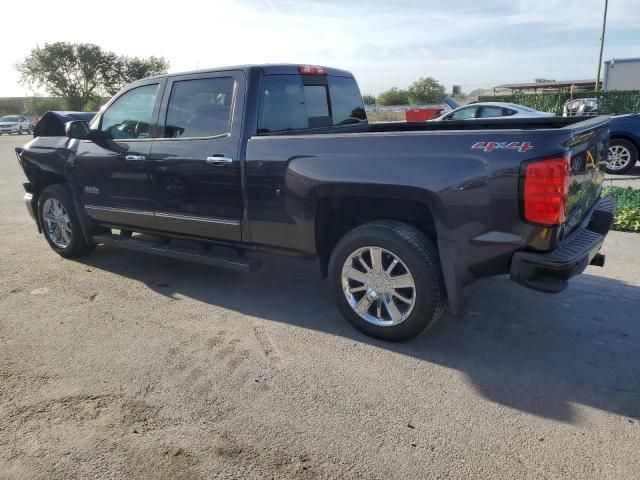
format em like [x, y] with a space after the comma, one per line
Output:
[130, 69]
[369, 99]
[393, 96]
[426, 90]
[80, 72]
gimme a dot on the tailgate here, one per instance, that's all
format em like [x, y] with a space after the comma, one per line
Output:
[588, 146]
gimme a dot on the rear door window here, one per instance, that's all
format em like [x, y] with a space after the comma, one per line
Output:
[200, 108]
[288, 104]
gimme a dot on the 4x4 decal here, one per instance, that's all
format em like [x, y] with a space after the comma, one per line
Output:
[491, 146]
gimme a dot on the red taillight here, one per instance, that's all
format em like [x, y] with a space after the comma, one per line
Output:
[311, 70]
[546, 187]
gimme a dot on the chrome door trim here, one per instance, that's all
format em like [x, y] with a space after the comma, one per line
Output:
[177, 216]
[128, 211]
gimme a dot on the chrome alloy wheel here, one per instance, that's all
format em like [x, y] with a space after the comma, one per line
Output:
[619, 157]
[378, 286]
[57, 223]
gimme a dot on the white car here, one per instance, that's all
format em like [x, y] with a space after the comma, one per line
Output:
[492, 110]
[14, 124]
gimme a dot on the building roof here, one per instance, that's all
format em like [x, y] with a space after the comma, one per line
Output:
[554, 84]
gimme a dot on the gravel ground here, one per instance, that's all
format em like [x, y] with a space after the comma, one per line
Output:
[132, 366]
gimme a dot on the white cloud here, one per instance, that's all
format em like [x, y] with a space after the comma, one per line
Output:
[384, 43]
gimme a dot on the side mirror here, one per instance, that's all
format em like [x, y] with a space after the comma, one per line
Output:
[78, 129]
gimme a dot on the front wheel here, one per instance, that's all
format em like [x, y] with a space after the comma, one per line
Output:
[60, 224]
[387, 281]
[623, 156]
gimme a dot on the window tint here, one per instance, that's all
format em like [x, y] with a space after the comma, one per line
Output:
[346, 101]
[317, 104]
[287, 104]
[130, 116]
[490, 112]
[509, 111]
[464, 113]
[199, 108]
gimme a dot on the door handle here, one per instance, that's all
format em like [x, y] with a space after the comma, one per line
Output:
[135, 158]
[219, 161]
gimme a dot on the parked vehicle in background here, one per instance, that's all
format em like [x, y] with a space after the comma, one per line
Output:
[424, 113]
[492, 110]
[624, 143]
[14, 124]
[580, 107]
[212, 165]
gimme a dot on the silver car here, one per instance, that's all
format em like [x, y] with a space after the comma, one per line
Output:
[14, 124]
[492, 110]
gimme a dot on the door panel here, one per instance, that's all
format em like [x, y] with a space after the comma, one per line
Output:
[112, 169]
[196, 169]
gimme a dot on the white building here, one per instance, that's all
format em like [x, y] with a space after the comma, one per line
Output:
[621, 74]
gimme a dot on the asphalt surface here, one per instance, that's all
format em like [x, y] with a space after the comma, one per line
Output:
[131, 366]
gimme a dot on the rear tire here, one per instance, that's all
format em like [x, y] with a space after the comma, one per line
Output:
[59, 222]
[622, 156]
[387, 281]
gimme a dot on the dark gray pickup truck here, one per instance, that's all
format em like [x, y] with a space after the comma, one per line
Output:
[213, 165]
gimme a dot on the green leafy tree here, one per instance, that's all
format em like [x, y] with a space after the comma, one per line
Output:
[369, 99]
[393, 96]
[426, 90]
[81, 72]
[130, 69]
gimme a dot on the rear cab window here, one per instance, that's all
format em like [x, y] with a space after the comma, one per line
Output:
[297, 102]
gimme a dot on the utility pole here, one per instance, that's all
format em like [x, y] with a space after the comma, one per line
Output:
[604, 26]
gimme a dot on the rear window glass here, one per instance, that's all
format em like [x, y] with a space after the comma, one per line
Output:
[287, 104]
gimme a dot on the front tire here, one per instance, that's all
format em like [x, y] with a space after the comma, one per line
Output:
[59, 222]
[622, 156]
[387, 281]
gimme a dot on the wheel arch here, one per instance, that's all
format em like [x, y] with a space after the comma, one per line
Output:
[628, 138]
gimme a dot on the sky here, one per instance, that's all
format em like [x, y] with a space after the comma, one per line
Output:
[385, 43]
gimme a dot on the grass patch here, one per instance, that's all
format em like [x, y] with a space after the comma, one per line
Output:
[628, 214]
[386, 116]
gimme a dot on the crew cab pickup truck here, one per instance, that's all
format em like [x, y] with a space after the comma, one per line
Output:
[213, 166]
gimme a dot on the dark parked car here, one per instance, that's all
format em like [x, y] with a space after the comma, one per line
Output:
[213, 165]
[624, 144]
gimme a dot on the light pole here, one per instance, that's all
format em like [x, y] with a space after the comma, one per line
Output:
[604, 26]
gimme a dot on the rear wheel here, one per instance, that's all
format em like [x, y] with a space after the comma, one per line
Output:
[623, 156]
[60, 224]
[387, 281]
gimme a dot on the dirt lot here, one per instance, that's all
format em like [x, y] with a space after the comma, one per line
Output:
[131, 366]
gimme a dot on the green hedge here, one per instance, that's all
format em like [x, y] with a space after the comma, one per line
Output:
[610, 103]
[628, 214]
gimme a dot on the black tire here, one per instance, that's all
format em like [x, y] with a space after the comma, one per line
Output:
[20, 131]
[78, 246]
[632, 151]
[420, 257]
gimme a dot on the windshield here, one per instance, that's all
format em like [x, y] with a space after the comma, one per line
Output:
[9, 118]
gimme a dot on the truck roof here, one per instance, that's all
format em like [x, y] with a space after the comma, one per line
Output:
[267, 69]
